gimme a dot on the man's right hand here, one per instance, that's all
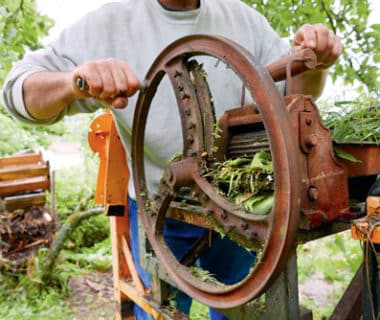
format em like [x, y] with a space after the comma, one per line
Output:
[48, 93]
[110, 81]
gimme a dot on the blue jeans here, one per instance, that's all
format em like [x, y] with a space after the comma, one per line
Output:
[227, 261]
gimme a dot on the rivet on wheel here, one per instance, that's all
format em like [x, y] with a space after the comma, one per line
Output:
[190, 139]
[244, 226]
[184, 95]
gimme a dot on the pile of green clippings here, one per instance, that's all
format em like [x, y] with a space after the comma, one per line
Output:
[246, 182]
[354, 121]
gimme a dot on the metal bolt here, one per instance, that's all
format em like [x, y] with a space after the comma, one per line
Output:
[309, 121]
[187, 112]
[180, 87]
[223, 214]
[191, 125]
[311, 140]
[244, 226]
[177, 73]
[313, 193]
[190, 139]
[205, 197]
[184, 95]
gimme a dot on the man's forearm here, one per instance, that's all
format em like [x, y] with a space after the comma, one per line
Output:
[47, 94]
[310, 83]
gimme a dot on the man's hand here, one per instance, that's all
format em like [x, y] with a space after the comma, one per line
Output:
[111, 81]
[326, 45]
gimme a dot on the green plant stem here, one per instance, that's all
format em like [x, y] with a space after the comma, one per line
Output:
[70, 225]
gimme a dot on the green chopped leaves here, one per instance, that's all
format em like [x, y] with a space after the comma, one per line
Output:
[246, 182]
[351, 121]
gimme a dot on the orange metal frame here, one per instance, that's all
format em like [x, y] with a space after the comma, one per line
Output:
[112, 190]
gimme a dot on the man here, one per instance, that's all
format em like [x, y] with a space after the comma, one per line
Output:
[112, 49]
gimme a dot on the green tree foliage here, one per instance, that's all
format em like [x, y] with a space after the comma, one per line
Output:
[348, 19]
[21, 27]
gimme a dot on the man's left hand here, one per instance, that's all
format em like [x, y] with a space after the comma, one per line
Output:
[326, 45]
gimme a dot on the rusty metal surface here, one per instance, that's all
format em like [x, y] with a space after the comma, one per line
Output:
[324, 196]
[276, 231]
[368, 156]
[297, 62]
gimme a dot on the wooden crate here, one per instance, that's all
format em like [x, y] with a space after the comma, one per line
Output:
[24, 179]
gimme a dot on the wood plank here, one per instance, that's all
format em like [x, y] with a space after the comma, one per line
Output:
[24, 201]
[21, 159]
[23, 171]
[23, 185]
[132, 268]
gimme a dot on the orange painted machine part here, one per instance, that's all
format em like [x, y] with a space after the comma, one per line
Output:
[368, 228]
[112, 191]
[113, 174]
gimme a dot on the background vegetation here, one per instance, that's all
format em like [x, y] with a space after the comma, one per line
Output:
[88, 250]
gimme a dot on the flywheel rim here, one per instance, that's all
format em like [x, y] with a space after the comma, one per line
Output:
[285, 214]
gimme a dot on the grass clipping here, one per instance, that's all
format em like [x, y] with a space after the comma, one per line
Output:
[354, 121]
[246, 182]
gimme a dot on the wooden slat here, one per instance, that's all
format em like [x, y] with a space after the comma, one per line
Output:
[24, 201]
[21, 159]
[23, 185]
[23, 171]
[132, 268]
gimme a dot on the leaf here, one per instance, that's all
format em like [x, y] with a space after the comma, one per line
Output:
[346, 156]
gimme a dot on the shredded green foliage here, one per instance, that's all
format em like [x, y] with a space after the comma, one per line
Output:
[246, 182]
[202, 274]
[351, 121]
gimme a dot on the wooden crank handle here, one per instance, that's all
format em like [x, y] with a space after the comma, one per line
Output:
[82, 85]
[298, 62]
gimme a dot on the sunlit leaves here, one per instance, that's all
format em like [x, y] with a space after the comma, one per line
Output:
[21, 27]
[348, 19]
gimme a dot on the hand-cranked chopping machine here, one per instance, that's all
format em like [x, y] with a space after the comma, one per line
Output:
[315, 194]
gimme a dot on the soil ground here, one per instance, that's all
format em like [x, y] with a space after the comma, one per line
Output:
[92, 295]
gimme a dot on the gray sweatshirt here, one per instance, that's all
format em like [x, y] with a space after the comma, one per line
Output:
[137, 31]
